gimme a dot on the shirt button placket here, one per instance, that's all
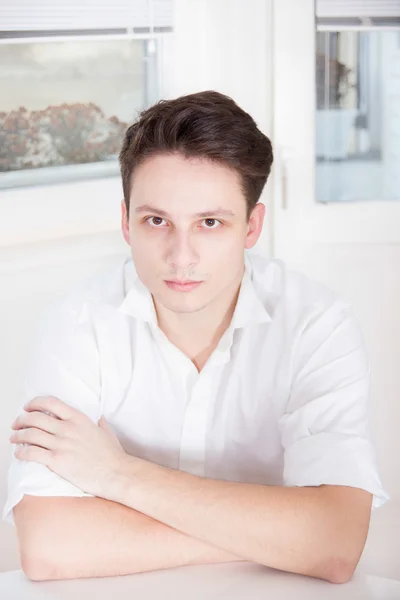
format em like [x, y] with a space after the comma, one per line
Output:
[194, 428]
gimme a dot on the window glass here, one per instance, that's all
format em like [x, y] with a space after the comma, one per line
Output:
[357, 115]
[70, 102]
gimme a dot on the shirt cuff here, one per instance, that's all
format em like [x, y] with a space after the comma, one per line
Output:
[34, 479]
[334, 459]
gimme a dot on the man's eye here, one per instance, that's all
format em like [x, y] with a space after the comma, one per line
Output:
[149, 219]
[213, 222]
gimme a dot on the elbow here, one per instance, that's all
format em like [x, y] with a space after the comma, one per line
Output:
[341, 567]
[34, 560]
[38, 568]
[338, 570]
[37, 553]
[37, 564]
[342, 576]
[34, 568]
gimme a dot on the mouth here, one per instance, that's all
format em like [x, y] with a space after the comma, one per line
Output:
[183, 286]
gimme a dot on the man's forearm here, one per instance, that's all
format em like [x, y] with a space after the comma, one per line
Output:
[318, 531]
[65, 538]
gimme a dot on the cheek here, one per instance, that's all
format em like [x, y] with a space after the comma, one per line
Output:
[143, 237]
[141, 243]
[146, 256]
[222, 242]
[231, 246]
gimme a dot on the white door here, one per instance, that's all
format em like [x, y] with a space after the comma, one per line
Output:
[336, 123]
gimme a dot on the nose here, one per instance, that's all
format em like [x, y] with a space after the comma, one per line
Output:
[181, 254]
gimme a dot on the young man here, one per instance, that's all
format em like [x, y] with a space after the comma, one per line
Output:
[200, 403]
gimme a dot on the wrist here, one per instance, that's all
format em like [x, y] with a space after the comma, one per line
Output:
[122, 480]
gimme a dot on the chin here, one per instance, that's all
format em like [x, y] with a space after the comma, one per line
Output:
[182, 305]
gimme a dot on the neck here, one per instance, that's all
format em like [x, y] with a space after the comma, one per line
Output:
[197, 334]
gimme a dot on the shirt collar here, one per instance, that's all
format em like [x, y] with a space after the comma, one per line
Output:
[138, 302]
[249, 308]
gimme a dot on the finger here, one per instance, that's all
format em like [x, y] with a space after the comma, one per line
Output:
[39, 420]
[37, 437]
[33, 453]
[53, 405]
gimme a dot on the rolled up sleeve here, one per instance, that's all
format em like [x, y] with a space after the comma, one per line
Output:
[65, 364]
[325, 429]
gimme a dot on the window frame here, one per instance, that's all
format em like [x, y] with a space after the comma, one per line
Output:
[43, 176]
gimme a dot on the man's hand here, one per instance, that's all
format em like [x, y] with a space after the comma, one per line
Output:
[70, 444]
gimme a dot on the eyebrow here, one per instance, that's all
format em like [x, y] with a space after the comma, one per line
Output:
[208, 213]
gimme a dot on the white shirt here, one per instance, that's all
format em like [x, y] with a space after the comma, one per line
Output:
[282, 400]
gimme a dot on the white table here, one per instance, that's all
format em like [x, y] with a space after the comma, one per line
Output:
[229, 581]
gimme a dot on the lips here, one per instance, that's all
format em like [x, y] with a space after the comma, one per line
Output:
[183, 287]
[187, 281]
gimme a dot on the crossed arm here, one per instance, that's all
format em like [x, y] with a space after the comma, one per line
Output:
[145, 516]
[318, 532]
[69, 538]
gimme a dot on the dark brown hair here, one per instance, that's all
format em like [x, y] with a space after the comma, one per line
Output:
[205, 125]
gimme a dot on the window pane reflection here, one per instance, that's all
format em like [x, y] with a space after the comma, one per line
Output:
[357, 115]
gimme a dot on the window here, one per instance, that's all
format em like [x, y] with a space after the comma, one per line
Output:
[69, 92]
[357, 102]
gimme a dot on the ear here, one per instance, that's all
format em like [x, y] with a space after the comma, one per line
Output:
[125, 223]
[255, 225]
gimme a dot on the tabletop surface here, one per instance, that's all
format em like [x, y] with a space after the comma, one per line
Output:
[230, 581]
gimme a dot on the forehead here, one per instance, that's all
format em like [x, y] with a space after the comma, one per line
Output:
[175, 182]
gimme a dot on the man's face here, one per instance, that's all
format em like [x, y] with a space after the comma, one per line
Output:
[173, 242]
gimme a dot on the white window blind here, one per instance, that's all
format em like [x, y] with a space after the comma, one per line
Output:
[358, 13]
[34, 18]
